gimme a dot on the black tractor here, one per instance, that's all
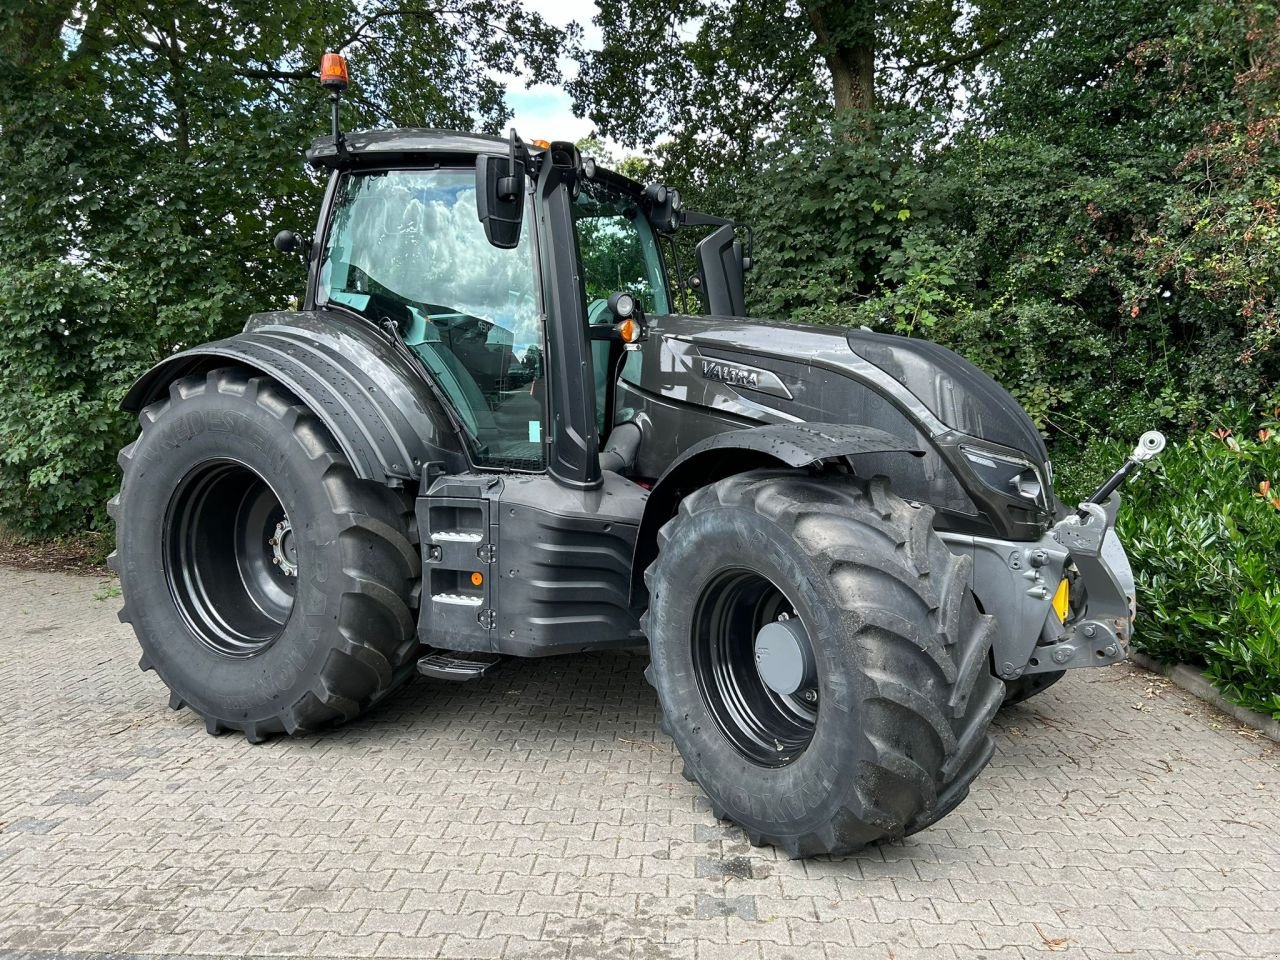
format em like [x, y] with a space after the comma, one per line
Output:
[519, 413]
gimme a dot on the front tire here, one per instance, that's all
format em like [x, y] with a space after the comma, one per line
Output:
[878, 729]
[268, 586]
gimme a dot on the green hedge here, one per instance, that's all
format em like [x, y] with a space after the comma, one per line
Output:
[1202, 527]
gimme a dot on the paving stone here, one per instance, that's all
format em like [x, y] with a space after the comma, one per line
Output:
[31, 825]
[538, 814]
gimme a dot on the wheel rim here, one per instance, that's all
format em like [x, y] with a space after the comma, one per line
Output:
[231, 558]
[768, 728]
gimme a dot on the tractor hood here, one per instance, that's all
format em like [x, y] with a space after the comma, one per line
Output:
[934, 386]
[956, 391]
[758, 372]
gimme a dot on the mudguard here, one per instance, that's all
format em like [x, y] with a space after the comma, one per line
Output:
[798, 444]
[379, 407]
[733, 451]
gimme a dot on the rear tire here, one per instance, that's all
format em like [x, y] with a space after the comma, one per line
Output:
[268, 586]
[901, 688]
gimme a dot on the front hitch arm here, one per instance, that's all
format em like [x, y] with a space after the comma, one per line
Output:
[1150, 444]
[1099, 633]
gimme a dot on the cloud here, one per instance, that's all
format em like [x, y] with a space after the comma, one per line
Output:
[544, 112]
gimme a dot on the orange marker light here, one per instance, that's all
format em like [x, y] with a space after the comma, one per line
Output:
[629, 330]
[541, 144]
[477, 579]
[333, 71]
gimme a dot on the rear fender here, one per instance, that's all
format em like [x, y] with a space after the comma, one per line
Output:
[794, 445]
[379, 407]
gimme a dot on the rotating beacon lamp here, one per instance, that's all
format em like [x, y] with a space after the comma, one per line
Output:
[333, 77]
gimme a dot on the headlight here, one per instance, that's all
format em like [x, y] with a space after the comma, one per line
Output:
[1027, 484]
[1007, 475]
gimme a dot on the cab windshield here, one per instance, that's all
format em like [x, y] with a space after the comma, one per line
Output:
[405, 247]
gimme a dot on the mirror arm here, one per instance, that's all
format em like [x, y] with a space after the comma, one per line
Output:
[509, 186]
[339, 138]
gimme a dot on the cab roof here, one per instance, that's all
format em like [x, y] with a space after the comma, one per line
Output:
[374, 148]
[367, 147]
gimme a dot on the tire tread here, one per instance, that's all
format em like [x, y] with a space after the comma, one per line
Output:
[932, 693]
[363, 666]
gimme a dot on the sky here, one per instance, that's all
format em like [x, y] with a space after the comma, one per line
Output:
[545, 112]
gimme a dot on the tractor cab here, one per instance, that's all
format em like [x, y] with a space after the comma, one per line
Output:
[460, 243]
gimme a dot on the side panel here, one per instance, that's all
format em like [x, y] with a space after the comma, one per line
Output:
[373, 398]
[555, 564]
[564, 580]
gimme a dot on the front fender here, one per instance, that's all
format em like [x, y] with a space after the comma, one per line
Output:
[797, 444]
[379, 408]
[792, 445]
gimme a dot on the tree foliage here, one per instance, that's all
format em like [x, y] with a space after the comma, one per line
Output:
[149, 152]
[715, 87]
[1079, 196]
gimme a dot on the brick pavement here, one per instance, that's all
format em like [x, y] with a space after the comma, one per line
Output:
[540, 813]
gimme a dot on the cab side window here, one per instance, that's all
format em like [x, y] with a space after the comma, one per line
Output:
[618, 251]
[406, 247]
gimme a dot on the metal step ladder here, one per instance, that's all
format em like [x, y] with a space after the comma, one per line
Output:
[449, 665]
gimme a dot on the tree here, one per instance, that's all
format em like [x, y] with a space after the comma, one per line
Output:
[715, 85]
[147, 154]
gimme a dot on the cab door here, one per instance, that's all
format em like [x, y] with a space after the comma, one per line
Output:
[406, 249]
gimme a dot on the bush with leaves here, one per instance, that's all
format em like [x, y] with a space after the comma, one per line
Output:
[1203, 532]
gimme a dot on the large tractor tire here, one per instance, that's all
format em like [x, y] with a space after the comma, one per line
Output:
[819, 659]
[269, 587]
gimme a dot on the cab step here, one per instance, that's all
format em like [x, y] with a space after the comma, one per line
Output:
[450, 665]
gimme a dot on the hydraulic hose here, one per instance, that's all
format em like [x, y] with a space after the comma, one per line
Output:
[619, 454]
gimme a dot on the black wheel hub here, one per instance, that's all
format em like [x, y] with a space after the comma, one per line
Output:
[231, 558]
[753, 662]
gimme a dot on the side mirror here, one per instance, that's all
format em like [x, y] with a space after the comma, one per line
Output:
[721, 262]
[286, 241]
[500, 198]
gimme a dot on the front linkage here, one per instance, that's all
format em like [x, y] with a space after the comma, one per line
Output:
[1100, 634]
[1046, 628]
